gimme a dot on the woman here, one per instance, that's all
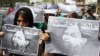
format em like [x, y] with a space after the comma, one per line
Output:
[24, 17]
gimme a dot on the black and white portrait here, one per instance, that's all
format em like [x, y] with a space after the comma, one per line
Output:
[73, 37]
[21, 40]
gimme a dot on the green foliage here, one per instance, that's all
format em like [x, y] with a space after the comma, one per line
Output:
[46, 0]
[12, 1]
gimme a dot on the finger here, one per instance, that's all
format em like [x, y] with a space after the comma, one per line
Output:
[46, 31]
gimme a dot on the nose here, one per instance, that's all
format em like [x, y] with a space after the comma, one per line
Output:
[21, 24]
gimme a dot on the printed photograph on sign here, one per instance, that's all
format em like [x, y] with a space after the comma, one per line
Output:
[73, 37]
[20, 40]
[38, 15]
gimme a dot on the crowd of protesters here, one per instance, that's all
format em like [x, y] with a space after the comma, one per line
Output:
[23, 16]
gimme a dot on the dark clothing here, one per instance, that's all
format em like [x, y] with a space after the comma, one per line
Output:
[59, 55]
[91, 18]
[42, 26]
[55, 54]
[12, 54]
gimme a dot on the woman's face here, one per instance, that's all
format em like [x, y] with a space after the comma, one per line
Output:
[22, 22]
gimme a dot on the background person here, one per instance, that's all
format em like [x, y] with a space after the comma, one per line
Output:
[10, 9]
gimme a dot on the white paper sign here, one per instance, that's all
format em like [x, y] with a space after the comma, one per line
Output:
[52, 11]
[73, 37]
[20, 40]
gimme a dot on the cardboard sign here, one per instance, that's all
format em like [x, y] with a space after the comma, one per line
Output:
[39, 15]
[73, 37]
[21, 40]
[51, 11]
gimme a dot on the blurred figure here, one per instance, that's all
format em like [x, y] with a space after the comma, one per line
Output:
[32, 4]
[51, 5]
[89, 15]
[0, 6]
[10, 9]
[73, 15]
[9, 19]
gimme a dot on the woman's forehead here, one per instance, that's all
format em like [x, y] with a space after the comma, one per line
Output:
[20, 17]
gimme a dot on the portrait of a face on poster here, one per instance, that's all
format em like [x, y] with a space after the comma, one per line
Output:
[21, 40]
[38, 15]
[73, 37]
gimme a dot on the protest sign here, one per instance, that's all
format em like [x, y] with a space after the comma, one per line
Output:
[73, 37]
[51, 11]
[39, 15]
[21, 40]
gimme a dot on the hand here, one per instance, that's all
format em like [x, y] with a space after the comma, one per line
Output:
[1, 34]
[44, 36]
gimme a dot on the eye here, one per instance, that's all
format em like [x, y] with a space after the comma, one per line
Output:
[19, 20]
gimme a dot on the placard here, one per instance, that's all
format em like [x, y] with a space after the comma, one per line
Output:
[21, 40]
[73, 37]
